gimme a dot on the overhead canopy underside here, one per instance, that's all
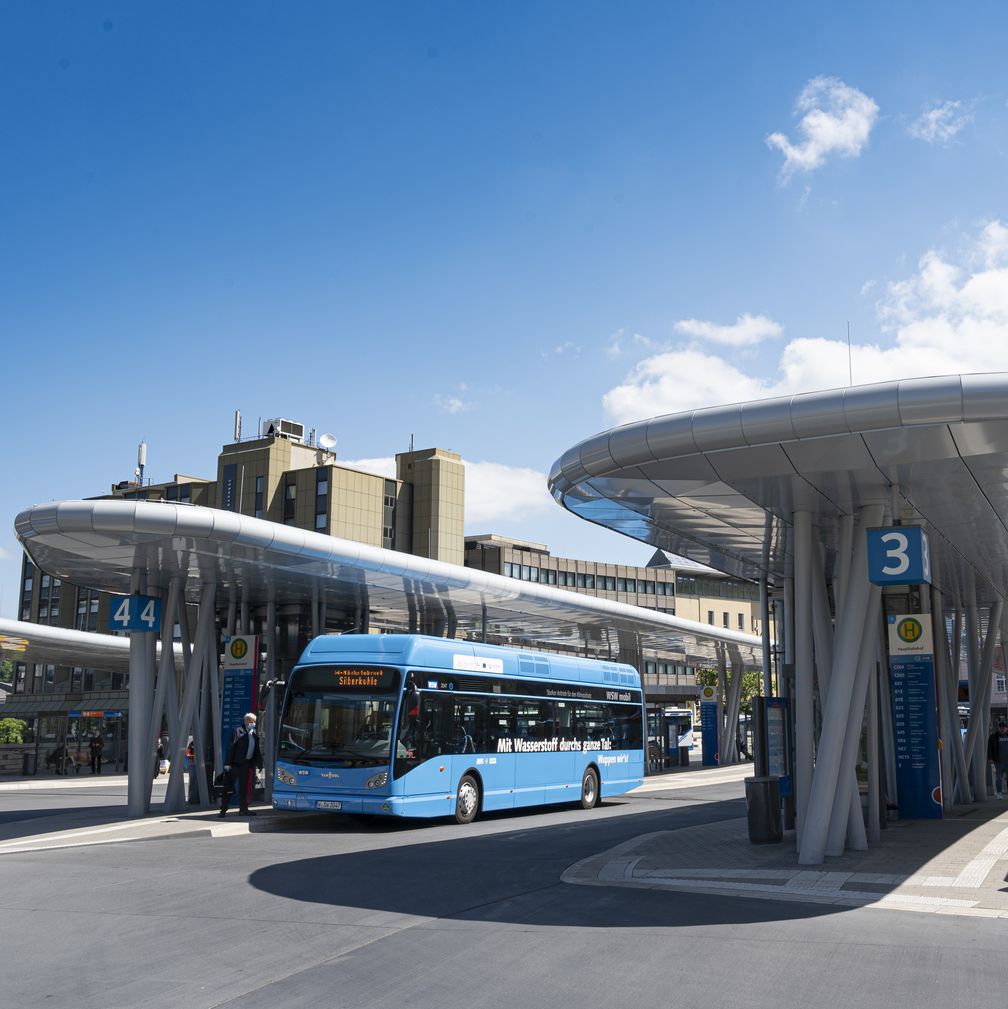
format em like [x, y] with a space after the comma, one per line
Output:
[100, 544]
[21, 641]
[719, 485]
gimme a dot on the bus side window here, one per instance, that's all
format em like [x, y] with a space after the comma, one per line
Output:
[564, 713]
[535, 719]
[435, 727]
[501, 723]
[469, 725]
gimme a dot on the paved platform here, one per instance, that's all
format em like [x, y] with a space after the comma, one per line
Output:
[958, 865]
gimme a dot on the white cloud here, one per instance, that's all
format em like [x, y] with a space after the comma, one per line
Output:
[451, 404]
[620, 341]
[380, 467]
[744, 331]
[940, 123]
[560, 349]
[494, 492]
[678, 380]
[836, 119]
[950, 317]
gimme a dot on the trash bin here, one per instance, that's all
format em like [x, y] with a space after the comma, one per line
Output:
[763, 809]
[29, 763]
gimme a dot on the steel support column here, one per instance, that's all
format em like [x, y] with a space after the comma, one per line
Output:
[976, 741]
[804, 686]
[138, 782]
[846, 819]
[837, 708]
[188, 719]
[268, 738]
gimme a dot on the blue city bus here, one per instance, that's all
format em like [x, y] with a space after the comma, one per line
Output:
[406, 725]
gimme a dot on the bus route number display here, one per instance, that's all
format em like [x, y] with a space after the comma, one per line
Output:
[364, 679]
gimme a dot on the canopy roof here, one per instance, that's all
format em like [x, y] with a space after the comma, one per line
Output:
[718, 485]
[99, 544]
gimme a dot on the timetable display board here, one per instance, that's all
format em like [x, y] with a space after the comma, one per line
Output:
[709, 744]
[238, 690]
[915, 716]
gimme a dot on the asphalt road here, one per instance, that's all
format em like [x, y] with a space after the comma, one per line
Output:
[337, 912]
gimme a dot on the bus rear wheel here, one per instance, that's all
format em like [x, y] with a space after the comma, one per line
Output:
[589, 789]
[467, 800]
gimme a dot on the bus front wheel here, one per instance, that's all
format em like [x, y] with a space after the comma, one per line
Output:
[467, 800]
[589, 789]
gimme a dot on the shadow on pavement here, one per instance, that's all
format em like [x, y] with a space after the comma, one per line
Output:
[513, 877]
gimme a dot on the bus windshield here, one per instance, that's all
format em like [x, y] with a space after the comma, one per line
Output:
[339, 715]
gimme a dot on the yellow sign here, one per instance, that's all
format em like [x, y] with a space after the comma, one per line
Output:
[909, 630]
[239, 648]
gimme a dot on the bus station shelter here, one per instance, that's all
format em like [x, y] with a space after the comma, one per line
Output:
[790, 491]
[218, 574]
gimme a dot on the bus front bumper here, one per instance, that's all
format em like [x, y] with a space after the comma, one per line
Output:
[336, 802]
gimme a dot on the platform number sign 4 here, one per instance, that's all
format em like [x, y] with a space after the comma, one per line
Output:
[899, 555]
[135, 614]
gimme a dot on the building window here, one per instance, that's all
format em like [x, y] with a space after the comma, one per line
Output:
[724, 619]
[1000, 684]
[507, 569]
[526, 572]
[621, 585]
[552, 577]
[320, 521]
[580, 580]
[710, 616]
[631, 585]
[741, 621]
[260, 490]
[290, 498]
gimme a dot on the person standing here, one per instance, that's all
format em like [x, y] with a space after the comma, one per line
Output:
[997, 754]
[242, 755]
[95, 748]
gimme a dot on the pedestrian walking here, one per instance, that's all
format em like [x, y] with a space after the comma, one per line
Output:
[243, 754]
[997, 754]
[95, 748]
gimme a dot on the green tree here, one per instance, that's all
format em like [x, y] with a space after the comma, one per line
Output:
[752, 685]
[12, 730]
[6, 671]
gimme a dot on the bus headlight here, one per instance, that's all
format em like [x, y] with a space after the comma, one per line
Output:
[378, 780]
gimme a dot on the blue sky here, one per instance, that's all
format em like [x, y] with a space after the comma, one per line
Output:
[498, 228]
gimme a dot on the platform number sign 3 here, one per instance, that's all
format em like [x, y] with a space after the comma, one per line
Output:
[899, 556]
[135, 613]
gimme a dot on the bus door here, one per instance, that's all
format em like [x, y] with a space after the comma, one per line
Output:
[470, 751]
[538, 772]
[428, 784]
[499, 769]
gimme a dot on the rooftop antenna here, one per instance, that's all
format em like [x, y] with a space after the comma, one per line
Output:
[850, 359]
[411, 442]
[141, 463]
[328, 442]
[237, 429]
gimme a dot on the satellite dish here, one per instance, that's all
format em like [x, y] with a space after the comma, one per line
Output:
[328, 442]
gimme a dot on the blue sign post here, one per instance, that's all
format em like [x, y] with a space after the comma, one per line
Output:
[238, 690]
[135, 614]
[915, 717]
[899, 555]
[709, 743]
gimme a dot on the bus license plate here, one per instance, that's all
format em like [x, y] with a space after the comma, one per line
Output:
[328, 804]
